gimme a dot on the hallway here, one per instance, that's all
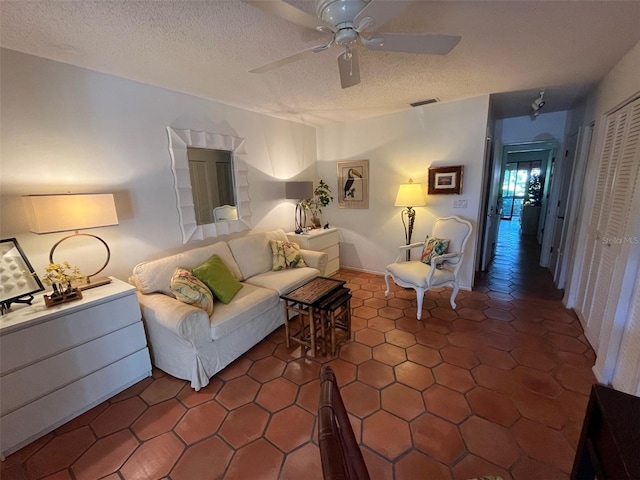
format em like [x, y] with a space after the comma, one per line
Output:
[497, 387]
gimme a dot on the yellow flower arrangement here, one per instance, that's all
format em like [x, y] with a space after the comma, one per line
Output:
[60, 276]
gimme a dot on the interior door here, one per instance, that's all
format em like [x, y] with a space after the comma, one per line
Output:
[557, 249]
[615, 190]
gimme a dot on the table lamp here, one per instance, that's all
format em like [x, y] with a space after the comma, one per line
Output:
[72, 212]
[299, 191]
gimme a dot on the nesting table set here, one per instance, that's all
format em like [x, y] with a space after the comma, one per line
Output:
[318, 315]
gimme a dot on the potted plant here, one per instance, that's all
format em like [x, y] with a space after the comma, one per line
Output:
[321, 198]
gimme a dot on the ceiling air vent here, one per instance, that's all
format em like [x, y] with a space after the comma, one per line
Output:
[424, 102]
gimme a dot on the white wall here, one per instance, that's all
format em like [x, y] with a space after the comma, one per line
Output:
[546, 127]
[66, 129]
[400, 146]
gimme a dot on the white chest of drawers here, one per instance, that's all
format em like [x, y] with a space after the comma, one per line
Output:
[56, 363]
[321, 240]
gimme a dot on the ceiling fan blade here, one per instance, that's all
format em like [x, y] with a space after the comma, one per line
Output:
[290, 59]
[349, 69]
[380, 11]
[290, 13]
[425, 43]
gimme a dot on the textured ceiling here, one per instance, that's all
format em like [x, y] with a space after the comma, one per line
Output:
[206, 48]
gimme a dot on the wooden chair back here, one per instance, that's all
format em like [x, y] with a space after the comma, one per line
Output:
[339, 451]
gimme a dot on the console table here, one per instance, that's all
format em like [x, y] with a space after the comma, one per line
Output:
[58, 362]
[322, 240]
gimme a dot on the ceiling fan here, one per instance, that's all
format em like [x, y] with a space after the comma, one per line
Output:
[352, 22]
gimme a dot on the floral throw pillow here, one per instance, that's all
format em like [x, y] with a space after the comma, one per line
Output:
[286, 255]
[432, 248]
[188, 289]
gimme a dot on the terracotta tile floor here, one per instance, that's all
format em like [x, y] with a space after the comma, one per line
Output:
[497, 387]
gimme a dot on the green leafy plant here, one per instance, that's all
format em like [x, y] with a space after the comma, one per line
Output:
[321, 198]
[535, 190]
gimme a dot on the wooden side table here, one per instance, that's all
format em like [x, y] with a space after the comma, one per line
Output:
[302, 304]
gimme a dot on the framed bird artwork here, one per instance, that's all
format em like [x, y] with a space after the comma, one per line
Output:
[353, 184]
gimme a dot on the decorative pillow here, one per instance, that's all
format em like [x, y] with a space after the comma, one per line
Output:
[215, 275]
[432, 248]
[286, 255]
[188, 289]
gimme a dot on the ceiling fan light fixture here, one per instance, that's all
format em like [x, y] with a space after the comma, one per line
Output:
[424, 102]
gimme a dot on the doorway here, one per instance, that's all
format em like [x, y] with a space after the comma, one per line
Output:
[519, 192]
[522, 185]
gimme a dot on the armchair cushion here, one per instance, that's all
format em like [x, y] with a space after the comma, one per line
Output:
[433, 247]
[418, 274]
[286, 255]
[188, 289]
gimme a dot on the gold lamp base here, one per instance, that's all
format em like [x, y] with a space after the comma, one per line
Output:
[90, 282]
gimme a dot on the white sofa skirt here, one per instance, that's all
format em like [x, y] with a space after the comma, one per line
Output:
[181, 359]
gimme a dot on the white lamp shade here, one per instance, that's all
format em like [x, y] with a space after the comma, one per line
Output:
[63, 213]
[298, 190]
[410, 195]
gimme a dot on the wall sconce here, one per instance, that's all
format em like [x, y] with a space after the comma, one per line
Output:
[409, 195]
[72, 212]
[299, 191]
[537, 104]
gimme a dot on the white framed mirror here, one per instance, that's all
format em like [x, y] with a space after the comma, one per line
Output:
[179, 141]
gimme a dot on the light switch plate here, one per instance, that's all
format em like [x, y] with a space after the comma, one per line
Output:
[460, 203]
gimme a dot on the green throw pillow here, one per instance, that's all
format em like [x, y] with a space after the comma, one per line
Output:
[215, 275]
[432, 248]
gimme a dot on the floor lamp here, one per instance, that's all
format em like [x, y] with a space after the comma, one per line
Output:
[72, 212]
[299, 191]
[409, 195]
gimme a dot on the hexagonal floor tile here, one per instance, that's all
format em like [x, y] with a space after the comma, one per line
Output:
[389, 354]
[200, 422]
[429, 357]
[303, 463]
[402, 401]
[157, 419]
[238, 392]
[118, 416]
[544, 444]
[418, 465]
[386, 434]
[154, 459]
[290, 428]
[259, 459]
[493, 406]
[375, 373]
[355, 353]
[266, 369]
[162, 389]
[490, 441]
[446, 403]
[105, 456]
[414, 375]
[244, 425]
[277, 394]
[197, 462]
[360, 399]
[453, 377]
[370, 337]
[437, 437]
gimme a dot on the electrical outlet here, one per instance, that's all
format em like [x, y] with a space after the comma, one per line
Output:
[460, 203]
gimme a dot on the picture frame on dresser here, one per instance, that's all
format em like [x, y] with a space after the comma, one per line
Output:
[18, 279]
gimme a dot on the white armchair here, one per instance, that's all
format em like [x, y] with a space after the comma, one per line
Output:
[420, 276]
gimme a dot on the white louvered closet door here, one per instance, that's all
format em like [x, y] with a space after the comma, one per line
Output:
[615, 190]
[627, 374]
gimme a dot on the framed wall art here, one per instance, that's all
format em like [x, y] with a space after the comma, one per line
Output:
[18, 280]
[445, 180]
[353, 184]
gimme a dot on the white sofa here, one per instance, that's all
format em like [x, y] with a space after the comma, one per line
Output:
[183, 340]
